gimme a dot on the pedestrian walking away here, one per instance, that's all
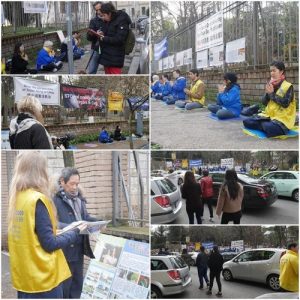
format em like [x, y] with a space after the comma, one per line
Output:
[215, 264]
[230, 199]
[201, 263]
[206, 184]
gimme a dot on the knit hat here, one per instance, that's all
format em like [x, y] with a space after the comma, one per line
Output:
[231, 77]
[48, 44]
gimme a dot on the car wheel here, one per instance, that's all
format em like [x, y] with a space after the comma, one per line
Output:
[295, 195]
[227, 275]
[180, 181]
[155, 292]
[273, 282]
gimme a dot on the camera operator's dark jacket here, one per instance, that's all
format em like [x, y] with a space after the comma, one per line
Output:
[65, 215]
[95, 24]
[113, 43]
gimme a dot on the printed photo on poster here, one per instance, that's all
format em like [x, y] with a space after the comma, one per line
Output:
[216, 56]
[179, 58]
[236, 51]
[202, 59]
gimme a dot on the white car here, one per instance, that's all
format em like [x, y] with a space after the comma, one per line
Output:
[170, 275]
[166, 200]
[181, 174]
[259, 265]
[286, 182]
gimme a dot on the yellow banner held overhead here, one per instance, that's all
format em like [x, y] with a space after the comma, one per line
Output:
[185, 164]
[115, 101]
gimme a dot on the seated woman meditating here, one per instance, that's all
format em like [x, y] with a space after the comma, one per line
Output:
[104, 136]
[228, 99]
[280, 112]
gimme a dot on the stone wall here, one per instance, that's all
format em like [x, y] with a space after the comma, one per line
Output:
[90, 128]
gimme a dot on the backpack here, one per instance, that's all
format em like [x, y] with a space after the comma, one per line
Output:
[130, 42]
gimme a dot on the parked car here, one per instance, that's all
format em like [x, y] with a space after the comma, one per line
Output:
[258, 265]
[144, 43]
[166, 200]
[257, 193]
[286, 182]
[228, 255]
[170, 275]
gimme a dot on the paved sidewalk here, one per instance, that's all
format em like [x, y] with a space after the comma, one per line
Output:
[176, 129]
[7, 291]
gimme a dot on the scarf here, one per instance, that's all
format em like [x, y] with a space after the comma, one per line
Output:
[276, 83]
[73, 200]
[15, 128]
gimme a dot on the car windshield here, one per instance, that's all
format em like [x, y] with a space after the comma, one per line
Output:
[177, 262]
[247, 178]
[165, 186]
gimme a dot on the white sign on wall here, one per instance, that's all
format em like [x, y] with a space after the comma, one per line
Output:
[171, 61]
[216, 56]
[236, 51]
[47, 92]
[35, 7]
[160, 65]
[179, 58]
[165, 63]
[202, 59]
[188, 56]
[238, 245]
[209, 33]
[227, 162]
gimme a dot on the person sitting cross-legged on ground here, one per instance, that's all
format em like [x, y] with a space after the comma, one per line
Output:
[195, 93]
[228, 100]
[155, 86]
[104, 136]
[118, 134]
[46, 59]
[280, 112]
[77, 51]
[178, 87]
[165, 87]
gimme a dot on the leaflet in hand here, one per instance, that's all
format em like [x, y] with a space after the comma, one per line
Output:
[91, 227]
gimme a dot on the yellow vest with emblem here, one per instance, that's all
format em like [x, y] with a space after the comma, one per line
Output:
[274, 111]
[33, 270]
[194, 89]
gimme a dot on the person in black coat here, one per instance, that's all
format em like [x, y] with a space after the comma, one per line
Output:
[201, 263]
[191, 191]
[215, 264]
[26, 131]
[118, 135]
[19, 61]
[71, 207]
[96, 26]
[113, 38]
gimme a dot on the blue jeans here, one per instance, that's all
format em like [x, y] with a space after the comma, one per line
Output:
[56, 293]
[202, 273]
[94, 63]
[188, 105]
[72, 287]
[269, 127]
[169, 100]
[220, 112]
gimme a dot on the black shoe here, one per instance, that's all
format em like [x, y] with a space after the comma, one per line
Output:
[219, 294]
[208, 292]
[200, 287]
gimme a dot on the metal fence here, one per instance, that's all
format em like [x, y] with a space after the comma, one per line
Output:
[17, 22]
[271, 30]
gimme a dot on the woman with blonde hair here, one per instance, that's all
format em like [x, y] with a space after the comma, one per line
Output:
[26, 130]
[37, 263]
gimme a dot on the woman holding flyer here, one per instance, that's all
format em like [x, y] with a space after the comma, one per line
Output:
[32, 232]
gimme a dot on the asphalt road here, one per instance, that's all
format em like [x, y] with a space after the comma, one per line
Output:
[176, 129]
[230, 289]
[283, 211]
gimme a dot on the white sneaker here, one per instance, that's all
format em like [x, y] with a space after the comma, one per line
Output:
[211, 220]
[54, 70]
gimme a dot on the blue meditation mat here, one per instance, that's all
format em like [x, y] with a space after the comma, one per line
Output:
[261, 135]
[214, 117]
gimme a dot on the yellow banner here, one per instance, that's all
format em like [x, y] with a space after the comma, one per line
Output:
[197, 246]
[115, 101]
[185, 164]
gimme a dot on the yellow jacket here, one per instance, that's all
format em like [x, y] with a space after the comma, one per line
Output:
[274, 111]
[288, 278]
[194, 90]
[33, 269]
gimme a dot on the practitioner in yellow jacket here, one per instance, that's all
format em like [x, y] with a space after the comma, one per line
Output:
[280, 112]
[196, 98]
[289, 269]
[37, 263]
